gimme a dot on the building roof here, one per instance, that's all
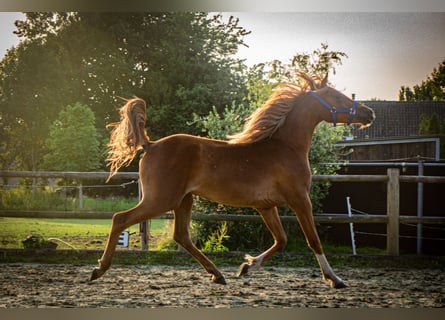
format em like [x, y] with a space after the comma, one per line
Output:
[398, 118]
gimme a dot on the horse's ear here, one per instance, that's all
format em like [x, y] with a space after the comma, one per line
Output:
[324, 82]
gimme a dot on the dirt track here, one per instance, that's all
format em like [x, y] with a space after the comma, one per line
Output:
[31, 285]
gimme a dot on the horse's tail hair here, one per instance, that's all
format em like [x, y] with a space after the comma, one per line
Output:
[128, 135]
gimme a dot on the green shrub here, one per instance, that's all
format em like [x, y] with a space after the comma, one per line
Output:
[25, 199]
[215, 241]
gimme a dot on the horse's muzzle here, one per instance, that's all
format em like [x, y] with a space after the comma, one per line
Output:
[366, 116]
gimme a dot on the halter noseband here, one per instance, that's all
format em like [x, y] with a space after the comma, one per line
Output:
[334, 110]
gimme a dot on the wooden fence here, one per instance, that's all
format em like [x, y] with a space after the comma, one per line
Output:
[392, 218]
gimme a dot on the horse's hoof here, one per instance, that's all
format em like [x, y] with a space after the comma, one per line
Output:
[219, 280]
[243, 269]
[97, 273]
[339, 285]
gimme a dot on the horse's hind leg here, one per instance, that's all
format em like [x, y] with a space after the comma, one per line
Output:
[183, 215]
[303, 209]
[273, 223]
[121, 221]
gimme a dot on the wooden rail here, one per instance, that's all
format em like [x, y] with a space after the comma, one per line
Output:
[70, 175]
[318, 217]
[135, 175]
[392, 218]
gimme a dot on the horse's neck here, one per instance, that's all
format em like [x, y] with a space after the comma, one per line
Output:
[298, 129]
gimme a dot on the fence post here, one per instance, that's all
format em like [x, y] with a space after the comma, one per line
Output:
[419, 206]
[143, 226]
[80, 194]
[393, 207]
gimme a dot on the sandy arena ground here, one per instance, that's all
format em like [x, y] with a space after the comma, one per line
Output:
[39, 285]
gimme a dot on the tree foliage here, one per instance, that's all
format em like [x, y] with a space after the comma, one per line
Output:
[179, 63]
[431, 89]
[73, 143]
[28, 102]
[316, 63]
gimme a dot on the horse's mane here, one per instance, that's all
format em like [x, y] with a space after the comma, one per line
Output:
[267, 119]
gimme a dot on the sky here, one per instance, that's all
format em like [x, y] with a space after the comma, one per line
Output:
[385, 50]
[7, 38]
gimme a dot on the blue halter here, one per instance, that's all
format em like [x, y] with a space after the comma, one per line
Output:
[352, 111]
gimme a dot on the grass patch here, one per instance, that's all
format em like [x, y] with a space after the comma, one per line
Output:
[89, 236]
[93, 233]
[79, 233]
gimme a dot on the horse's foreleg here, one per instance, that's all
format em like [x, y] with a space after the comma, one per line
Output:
[120, 221]
[273, 223]
[183, 215]
[303, 209]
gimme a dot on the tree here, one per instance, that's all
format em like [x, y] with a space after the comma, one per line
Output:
[316, 63]
[179, 63]
[431, 89]
[73, 143]
[430, 124]
[28, 92]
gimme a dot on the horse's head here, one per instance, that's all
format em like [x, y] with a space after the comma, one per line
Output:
[337, 107]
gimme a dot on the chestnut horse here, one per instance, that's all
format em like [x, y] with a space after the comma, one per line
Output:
[264, 166]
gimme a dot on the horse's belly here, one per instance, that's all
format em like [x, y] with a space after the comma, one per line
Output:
[241, 195]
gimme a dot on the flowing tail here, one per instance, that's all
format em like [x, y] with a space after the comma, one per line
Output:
[128, 136]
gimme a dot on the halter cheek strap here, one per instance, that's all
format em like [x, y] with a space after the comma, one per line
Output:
[352, 111]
